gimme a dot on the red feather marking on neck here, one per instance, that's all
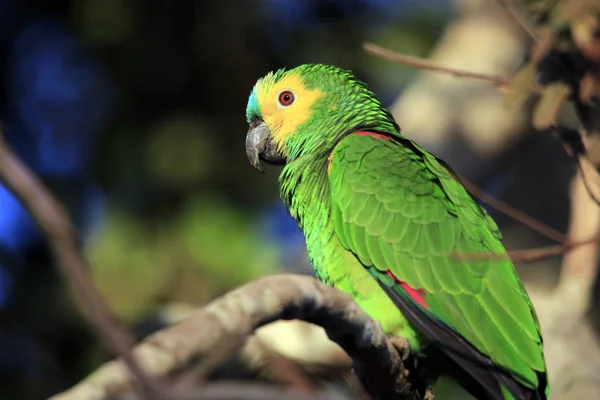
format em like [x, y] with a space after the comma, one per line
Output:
[418, 295]
[373, 134]
[359, 133]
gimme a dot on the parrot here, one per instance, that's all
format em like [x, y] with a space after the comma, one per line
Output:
[386, 222]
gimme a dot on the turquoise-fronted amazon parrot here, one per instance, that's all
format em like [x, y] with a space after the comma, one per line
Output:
[384, 221]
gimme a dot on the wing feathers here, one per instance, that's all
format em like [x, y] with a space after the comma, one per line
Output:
[400, 210]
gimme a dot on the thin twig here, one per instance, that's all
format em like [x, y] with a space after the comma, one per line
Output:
[590, 177]
[575, 145]
[514, 213]
[520, 19]
[55, 223]
[528, 255]
[223, 325]
[427, 65]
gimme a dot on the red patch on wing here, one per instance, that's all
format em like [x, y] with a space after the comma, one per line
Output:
[418, 295]
[373, 135]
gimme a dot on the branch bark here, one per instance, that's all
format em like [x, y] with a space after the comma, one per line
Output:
[234, 390]
[214, 331]
[240, 391]
[54, 221]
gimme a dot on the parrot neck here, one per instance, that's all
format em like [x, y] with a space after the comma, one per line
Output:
[304, 188]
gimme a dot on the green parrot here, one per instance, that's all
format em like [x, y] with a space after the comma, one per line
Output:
[384, 221]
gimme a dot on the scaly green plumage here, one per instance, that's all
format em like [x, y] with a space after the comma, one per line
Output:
[376, 203]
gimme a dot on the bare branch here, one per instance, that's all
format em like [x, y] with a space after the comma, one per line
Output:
[421, 63]
[590, 177]
[56, 225]
[529, 255]
[577, 146]
[519, 18]
[570, 341]
[222, 326]
[513, 213]
[244, 391]
[234, 390]
[580, 267]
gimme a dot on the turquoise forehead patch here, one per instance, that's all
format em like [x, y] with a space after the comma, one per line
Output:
[253, 108]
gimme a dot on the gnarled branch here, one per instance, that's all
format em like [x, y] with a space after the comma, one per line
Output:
[214, 331]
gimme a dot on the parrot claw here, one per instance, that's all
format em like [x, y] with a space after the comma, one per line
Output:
[402, 345]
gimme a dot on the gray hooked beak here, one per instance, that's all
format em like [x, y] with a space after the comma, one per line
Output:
[260, 147]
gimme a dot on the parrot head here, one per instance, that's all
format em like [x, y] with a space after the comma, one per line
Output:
[307, 110]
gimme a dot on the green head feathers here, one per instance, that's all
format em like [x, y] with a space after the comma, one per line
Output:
[307, 110]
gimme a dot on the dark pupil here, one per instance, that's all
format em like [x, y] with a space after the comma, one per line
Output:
[287, 97]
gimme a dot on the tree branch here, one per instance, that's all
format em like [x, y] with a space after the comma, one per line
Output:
[421, 63]
[235, 390]
[214, 331]
[513, 213]
[519, 18]
[529, 255]
[241, 391]
[590, 177]
[54, 221]
[579, 267]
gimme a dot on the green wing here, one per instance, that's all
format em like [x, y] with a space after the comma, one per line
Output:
[399, 209]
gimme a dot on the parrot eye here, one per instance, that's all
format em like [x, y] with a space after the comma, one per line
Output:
[286, 98]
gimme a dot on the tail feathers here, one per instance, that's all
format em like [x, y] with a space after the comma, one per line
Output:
[447, 388]
[475, 371]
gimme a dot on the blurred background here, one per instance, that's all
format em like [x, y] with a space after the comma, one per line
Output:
[133, 112]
